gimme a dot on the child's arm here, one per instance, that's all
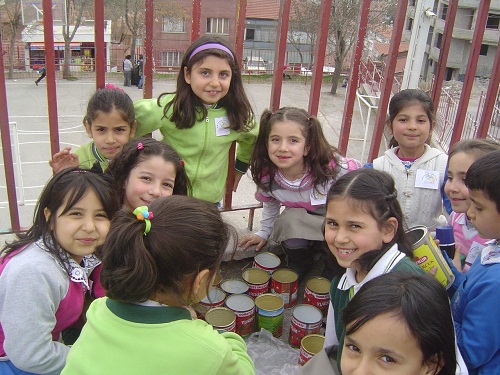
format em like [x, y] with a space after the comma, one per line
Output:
[246, 144]
[270, 211]
[237, 361]
[30, 295]
[148, 116]
[477, 323]
[64, 159]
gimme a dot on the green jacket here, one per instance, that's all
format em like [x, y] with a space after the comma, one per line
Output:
[129, 339]
[90, 158]
[205, 153]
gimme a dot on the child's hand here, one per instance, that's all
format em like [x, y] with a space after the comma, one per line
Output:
[457, 262]
[251, 239]
[64, 159]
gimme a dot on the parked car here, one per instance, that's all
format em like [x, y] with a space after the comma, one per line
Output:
[255, 65]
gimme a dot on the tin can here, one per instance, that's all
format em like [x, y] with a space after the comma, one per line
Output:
[427, 254]
[257, 280]
[244, 308]
[266, 261]
[215, 298]
[270, 308]
[310, 345]
[306, 319]
[284, 282]
[317, 293]
[221, 318]
[234, 286]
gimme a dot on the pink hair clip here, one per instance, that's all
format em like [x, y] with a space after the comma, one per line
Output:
[110, 86]
[140, 146]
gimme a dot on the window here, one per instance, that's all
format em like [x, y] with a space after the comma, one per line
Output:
[217, 25]
[409, 24]
[429, 36]
[173, 25]
[438, 40]
[250, 34]
[484, 50]
[493, 21]
[171, 58]
[444, 11]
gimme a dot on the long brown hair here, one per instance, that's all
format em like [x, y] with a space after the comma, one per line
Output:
[188, 108]
[318, 159]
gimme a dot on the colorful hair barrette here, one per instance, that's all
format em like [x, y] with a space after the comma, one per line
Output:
[182, 163]
[110, 86]
[140, 146]
[142, 213]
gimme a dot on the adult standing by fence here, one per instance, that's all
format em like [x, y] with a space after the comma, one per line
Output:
[127, 70]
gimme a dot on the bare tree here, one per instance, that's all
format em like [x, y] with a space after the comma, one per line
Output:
[303, 27]
[11, 21]
[131, 14]
[343, 26]
[75, 11]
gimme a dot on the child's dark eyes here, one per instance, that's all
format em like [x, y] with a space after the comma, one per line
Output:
[168, 185]
[352, 347]
[387, 359]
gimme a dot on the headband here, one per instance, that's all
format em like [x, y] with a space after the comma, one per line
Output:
[203, 47]
[142, 213]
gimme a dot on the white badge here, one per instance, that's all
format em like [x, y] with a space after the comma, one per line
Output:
[474, 251]
[222, 126]
[427, 179]
[318, 197]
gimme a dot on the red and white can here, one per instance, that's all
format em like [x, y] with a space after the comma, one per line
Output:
[310, 345]
[257, 280]
[215, 298]
[285, 283]
[234, 286]
[266, 261]
[317, 293]
[221, 318]
[306, 320]
[243, 307]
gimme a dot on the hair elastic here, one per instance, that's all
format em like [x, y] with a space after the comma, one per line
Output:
[204, 47]
[110, 86]
[142, 213]
[140, 146]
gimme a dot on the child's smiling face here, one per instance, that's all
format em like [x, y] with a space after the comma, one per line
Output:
[455, 187]
[350, 232]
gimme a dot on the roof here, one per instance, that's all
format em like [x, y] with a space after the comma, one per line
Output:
[263, 9]
[383, 48]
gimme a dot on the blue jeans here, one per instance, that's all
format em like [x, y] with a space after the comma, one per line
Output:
[7, 368]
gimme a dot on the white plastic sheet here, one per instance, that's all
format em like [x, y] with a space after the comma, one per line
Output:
[272, 356]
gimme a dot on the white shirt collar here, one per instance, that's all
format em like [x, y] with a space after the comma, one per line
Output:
[384, 265]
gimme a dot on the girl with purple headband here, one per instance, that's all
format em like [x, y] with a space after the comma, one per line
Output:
[201, 119]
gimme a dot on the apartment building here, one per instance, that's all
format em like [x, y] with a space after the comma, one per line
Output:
[463, 32]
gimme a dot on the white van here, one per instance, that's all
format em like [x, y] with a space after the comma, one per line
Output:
[255, 65]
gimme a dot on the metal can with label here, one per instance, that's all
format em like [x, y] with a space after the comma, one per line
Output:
[270, 308]
[317, 293]
[257, 280]
[244, 308]
[427, 254]
[221, 318]
[284, 282]
[310, 345]
[266, 261]
[306, 320]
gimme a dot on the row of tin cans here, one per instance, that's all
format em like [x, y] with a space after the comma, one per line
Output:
[241, 314]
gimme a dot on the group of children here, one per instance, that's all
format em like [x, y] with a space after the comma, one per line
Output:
[146, 264]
